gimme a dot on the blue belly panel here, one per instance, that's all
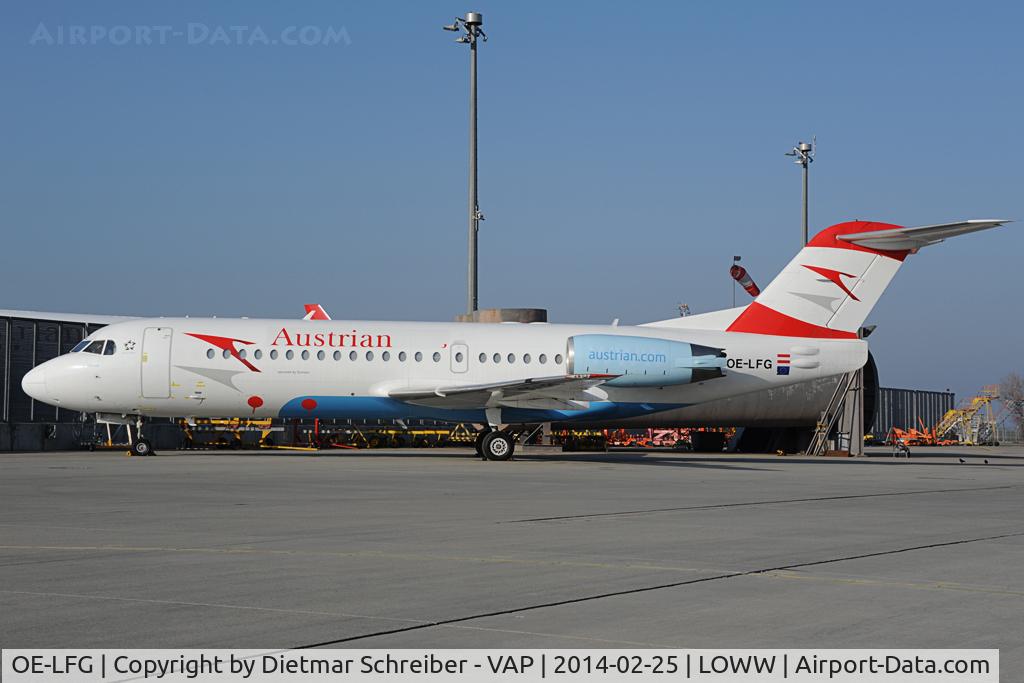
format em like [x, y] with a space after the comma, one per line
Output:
[381, 407]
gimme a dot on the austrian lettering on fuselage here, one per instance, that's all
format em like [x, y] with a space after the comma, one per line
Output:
[353, 339]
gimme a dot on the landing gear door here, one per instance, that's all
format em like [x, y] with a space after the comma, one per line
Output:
[460, 357]
[156, 362]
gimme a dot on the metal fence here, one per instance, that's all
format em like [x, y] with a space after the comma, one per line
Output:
[910, 408]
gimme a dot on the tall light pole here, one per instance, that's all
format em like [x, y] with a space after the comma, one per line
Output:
[804, 153]
[471, 28]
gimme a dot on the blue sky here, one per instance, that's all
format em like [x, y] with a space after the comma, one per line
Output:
[627, 152]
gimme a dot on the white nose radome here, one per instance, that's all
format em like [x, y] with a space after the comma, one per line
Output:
[34, 383]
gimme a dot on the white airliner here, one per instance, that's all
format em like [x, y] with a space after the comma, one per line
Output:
[803, 326]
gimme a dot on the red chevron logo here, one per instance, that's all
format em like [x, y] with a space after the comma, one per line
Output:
[226, 344]
[835, 276]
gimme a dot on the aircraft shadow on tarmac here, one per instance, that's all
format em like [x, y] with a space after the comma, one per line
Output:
[727, 461]
[665, 458]
[638, 458]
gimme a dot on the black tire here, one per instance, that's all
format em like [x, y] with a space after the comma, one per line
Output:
[141, 448]
[478, 443]
[498, 446]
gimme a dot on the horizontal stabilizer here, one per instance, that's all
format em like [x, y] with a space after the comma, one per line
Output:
[912, 239]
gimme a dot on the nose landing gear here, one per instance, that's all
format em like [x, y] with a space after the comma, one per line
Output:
[140, 446]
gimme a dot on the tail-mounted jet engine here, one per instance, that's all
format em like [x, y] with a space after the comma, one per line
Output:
[644, 361]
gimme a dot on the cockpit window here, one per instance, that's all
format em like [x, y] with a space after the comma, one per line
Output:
[94, 347]
[109, 348]
[80, 345]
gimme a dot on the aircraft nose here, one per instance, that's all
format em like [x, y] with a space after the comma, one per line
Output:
[34, 383]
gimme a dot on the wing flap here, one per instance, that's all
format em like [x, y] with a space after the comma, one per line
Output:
[562, 391]
[910, 239]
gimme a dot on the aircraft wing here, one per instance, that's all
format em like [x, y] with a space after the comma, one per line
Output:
[563, 392]
[900, 239]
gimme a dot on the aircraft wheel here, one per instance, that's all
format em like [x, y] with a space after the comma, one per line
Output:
[141, 447]
[479, 443]
[498, 446]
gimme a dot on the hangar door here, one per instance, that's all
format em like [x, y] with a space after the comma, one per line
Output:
[156, 362]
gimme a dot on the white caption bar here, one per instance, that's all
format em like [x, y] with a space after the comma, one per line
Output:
[724, 666]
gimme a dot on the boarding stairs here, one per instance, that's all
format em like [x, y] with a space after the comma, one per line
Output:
[848, 385]
[966, 419]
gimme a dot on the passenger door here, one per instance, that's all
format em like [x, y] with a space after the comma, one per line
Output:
[460, 357]
[156, 362]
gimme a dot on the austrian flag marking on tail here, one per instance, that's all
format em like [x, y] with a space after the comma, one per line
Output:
[782, 364]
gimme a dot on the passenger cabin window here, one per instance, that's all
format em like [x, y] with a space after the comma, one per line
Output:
[437, 356]
[210, 353]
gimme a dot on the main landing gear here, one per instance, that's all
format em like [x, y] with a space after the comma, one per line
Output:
[494, 445]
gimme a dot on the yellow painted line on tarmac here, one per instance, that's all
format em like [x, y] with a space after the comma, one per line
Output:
[553, 635]
[365, 554]
[349, 615]
[915, 585]
[86, 596]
